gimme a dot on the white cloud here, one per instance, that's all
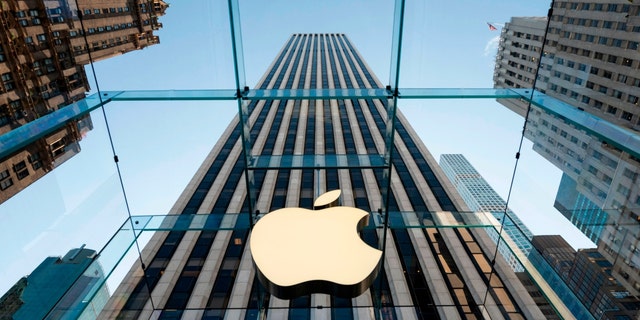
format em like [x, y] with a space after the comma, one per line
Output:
[492, 46]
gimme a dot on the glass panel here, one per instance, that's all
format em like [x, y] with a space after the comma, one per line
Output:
[440, 51]
[578, 151]
[155, 159]
[79, 200]
[204, 37]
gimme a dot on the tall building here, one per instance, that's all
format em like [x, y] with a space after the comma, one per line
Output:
[588, 274]
[43, 51]
[72, 286]
[480, 196]
[590, 62]
[430, 271]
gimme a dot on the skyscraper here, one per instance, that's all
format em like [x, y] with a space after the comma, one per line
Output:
[480, 196]
[71, 286]
[43, 51]
[590, 62]
[430, 270]
[588, 274]
[590, 57]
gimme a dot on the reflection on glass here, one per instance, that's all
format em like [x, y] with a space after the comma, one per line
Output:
[586, 100]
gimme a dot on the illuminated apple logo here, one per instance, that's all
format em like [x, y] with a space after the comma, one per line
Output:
[298, 251]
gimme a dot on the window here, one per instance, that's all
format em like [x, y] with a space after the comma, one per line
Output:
[623, 190]
[42, 37]
[616, 94]
[603, 89]
[574, 95]
[627, 115]
[33, 13]
[96, 11]
[21, 170]
[6, 183]
[627, 62]
[582, 67]
[629, 174]
[612, 109]
[622, 78]
[597, 104]
[87, 11]
[611, 58]
[632, 99]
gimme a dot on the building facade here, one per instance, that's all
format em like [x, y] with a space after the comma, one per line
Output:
[429, 271]
[480, 196]
[588, 274]
[72, 285]
[44, 46]
[590, 62]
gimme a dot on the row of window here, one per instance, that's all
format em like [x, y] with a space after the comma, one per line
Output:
[527, 36]
[610, 7]
[611, 58]
[108, 28]
[96, 11]
[593, 23]
[607, 41]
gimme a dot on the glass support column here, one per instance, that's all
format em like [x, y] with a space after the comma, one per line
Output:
[243, 105]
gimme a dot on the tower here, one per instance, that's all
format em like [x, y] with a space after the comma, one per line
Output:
[590, 63]
[480, 196]
[73, 284]
[431, 269]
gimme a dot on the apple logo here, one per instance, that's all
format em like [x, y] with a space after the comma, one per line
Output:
[299, 251]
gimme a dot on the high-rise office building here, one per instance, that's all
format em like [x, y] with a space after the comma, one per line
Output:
[44, 46]
[430, 271]
[590, 62]
[480, 196]
[588, 274]
[72, 286]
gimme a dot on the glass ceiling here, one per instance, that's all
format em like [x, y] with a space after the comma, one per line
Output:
[160, 110]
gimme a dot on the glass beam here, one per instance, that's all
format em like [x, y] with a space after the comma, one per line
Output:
[165, 95]
[318, 161]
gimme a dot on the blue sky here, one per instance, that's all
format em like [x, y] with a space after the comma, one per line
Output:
[161, 144]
